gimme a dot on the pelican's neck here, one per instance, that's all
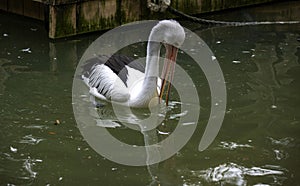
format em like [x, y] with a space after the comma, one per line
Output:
[152, 59]
[149, 87]
[152, 68]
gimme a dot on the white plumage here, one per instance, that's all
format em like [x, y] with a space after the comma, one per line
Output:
[122, 80]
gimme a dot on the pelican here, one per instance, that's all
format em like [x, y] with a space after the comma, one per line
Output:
[117, 78]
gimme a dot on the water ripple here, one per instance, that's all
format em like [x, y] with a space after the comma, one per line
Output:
[233, 145]
[18, 169]
[283, 141]
[28, 165]
[29, 139]
[234, 174]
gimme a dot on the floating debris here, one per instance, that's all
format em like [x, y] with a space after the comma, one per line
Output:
[236, 62]
[245, 51]
[188, 123]
[228, 111]
[26, 50]
[36, 127]
[29, 163]
[163, 133]
[107, 123]
[29, 139]
[279, 154]
[284, 141]
[57, 122]
[233, 174]
[173, 116]
[273, 106]
[5, 35]
[218, 42]
[12, 149]
[213, 58]
[233, 145]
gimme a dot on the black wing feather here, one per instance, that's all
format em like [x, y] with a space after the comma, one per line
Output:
[115, 62]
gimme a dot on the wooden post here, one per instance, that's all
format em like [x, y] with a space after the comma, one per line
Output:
[62, 20]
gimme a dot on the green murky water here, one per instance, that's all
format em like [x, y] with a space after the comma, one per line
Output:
[258, 143]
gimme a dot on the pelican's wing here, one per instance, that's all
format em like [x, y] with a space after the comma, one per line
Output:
[107, 84]
[107, 77]
[103, 82]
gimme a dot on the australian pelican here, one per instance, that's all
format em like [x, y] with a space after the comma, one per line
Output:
[117, 79]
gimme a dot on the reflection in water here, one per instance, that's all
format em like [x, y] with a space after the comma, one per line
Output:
[6, 69]
[3, 75]
[118, 117]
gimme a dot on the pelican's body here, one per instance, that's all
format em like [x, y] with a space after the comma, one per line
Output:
[120, 79]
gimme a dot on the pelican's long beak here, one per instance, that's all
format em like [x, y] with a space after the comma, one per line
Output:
[168, 71]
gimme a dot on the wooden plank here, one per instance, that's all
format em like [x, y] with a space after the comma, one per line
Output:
[96, 15]
[16, 6]
[131, 11]
[33, 9]
[3, 5]
[62, 21]
[64, 2]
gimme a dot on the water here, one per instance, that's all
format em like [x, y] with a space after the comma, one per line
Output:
[258, 143]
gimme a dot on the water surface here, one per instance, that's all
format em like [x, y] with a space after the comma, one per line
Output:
[258, 143]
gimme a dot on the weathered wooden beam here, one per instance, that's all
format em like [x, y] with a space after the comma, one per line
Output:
[33, 9]
[88, 16]
[3, 5]
[15, 6]
[70, 17]
[62, 21]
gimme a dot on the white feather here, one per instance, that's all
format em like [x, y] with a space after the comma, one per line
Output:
[134, 82]
[109, 83]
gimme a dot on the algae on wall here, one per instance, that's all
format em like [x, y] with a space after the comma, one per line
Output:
[82, 16]
[95, 15]
[204, 6]
[62, 21]
[88, 16]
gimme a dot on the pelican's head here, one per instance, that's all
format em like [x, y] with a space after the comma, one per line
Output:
[168, 32]
[171, 34]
